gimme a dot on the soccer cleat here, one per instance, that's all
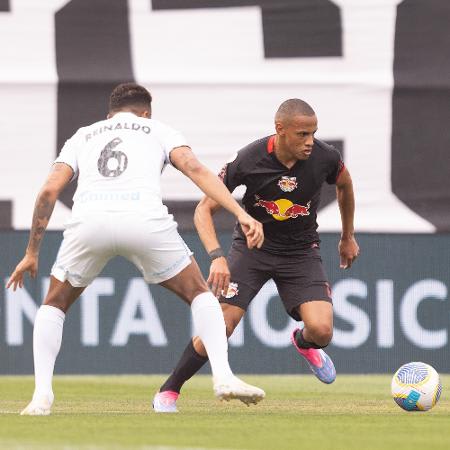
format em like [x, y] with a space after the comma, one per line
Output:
[319, 362]
[234, 388]
[165, 402]
[39, 406]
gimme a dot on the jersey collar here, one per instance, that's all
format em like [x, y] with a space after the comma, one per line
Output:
[271, 144]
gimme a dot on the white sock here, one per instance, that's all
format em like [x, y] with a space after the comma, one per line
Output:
[47, 336]
[210, 327]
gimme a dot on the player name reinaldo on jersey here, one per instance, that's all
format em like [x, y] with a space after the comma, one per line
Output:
[118, 126]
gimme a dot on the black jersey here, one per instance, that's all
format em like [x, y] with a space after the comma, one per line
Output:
[284, 200]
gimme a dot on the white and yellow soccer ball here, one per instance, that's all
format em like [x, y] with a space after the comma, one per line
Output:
[416, 387]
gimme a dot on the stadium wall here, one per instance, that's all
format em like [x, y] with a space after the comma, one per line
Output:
[391, 307]
[375, 71]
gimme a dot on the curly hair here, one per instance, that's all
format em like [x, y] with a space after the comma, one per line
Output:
[129, 95]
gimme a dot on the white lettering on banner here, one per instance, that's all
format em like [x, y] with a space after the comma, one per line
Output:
[259, 320]
[19, 305]
[417, 293]
[385, 313]
[138, 297]
[90, 311]
[350, 313]
[138, 315]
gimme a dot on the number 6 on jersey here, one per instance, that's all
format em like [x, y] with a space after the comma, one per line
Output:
[112, 163]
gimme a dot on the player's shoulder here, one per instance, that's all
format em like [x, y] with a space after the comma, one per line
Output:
[85, 132]
[325, 150]
[79, 136]
[158, 126]
[84, 129]
[256, 150]
[324, 146]
[153, 122]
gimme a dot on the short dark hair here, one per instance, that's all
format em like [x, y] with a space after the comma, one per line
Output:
[293, 107]
[129, 95]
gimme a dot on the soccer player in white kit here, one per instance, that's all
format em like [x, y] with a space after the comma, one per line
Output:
[118, 210]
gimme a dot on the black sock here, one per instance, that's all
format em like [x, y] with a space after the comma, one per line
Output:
[188, 365]
[302, 343]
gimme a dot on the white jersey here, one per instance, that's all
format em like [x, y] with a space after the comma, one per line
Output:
[119, 163]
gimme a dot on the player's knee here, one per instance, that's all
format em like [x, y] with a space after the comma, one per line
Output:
[198, 287]
[62, 305]
[57, 300]
[321, 333]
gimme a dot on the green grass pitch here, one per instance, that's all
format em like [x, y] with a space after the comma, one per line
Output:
[114, 412]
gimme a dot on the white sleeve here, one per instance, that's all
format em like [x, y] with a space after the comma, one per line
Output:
[170, 138]
[68, 154]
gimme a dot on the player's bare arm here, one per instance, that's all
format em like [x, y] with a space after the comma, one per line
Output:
[219, 273]
[184, 160]
[58, 178]
[348, 247]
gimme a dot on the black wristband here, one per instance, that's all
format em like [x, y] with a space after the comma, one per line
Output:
[216, 253]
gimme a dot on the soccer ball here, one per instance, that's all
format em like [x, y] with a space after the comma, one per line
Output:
[416, 387]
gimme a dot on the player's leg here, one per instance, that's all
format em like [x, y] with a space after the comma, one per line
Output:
[209, 323]
[193, 358]
[317, 317]
[317, 333]
[190, 285]
[47, 336]
[83, 254]
[194, 355]
[304, 290]
[232, 315]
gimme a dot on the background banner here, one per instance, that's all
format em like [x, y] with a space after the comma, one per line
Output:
[391, 307]
[375, 71]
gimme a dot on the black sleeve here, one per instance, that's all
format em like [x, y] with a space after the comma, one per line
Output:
[231, 175]
[335, 165]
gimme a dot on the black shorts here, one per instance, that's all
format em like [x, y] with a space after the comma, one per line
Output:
[299, 277]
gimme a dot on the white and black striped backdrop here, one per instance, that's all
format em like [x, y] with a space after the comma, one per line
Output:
[376, 71]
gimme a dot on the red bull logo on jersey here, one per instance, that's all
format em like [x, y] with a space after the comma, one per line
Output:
[283, 209]
[232, 290]
[287, 184]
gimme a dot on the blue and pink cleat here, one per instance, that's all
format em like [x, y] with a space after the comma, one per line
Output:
[319, 362]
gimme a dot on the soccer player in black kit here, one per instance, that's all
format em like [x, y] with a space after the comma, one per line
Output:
[283, 175]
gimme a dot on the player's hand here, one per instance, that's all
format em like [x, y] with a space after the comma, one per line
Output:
[252, 229]
[219, 276]
[29, 264]
[348, 251]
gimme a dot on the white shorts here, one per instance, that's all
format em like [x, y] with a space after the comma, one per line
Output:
[152, 245]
